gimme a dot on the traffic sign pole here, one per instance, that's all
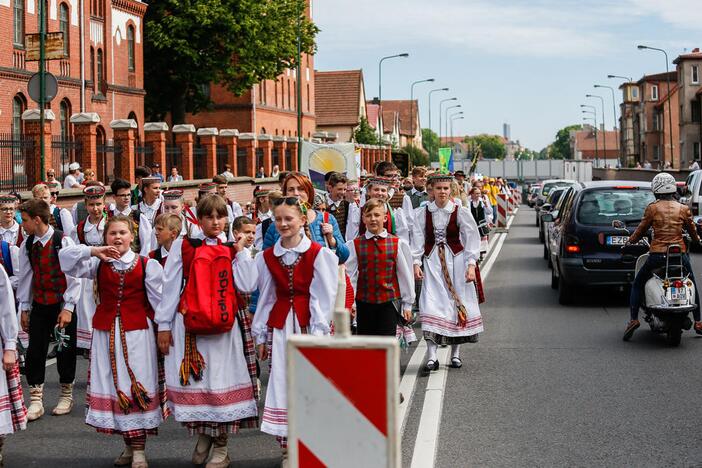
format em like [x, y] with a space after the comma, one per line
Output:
[42, 85]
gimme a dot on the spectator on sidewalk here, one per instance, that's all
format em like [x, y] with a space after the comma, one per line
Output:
[261, 173]
[276, 171]
[51, 176]
[175, 177]
[228, 173]
[694, 166]
[156, 171]
[71, 180]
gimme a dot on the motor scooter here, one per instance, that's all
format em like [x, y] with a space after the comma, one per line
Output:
[669, 296]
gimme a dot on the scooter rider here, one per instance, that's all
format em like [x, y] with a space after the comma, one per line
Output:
[668, 218]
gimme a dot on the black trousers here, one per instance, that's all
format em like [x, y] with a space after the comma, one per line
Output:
[376, 319]
[42, 321]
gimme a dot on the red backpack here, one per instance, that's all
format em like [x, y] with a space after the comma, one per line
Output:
[208, 303]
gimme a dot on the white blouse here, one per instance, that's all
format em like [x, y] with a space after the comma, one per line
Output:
[8, 314]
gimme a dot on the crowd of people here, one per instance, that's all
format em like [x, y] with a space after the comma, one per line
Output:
[177, 303]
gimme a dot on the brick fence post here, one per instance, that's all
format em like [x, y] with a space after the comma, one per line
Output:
[230, 138]
[292, 146]
[85, 134]
[280, 145]
[265, 142]
[155, 135]
[184, 134]
[208, 139]
[388, 153]
[124, 136]
[248, 142]
[32, 127]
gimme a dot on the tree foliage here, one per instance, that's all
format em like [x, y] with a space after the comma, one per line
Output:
[491, 146]
[365, 134]
[189, 44]
[560, 148]
[431, 143]
[417, 156]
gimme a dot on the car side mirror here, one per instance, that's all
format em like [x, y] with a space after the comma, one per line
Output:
[546, 207]
[547, 218]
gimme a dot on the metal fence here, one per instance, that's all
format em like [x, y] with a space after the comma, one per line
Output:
[16, 163]
[275, 157]
[144, 155]
[64, 151]
[199, 162]
[259, 160]
[242, 162]
[288, 158]
[222, 158]
[109, 157]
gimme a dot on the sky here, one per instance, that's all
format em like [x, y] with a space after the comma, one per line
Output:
[528, 63]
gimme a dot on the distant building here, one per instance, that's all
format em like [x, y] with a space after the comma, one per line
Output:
[410, 128]
[689, 67]
[507, 131]
[340, 102]
[587, 144]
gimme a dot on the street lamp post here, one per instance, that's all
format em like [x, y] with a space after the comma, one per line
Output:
[604, 143]
[592, 112]
[670, 113]
[453, 117]
[446, 113]
[412, 130]
[380, 73]
[430, 93]
[441, 105]
[629, 79]
[614, 116]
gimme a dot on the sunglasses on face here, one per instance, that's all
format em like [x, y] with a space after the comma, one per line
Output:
[290, 201]
[54, 194]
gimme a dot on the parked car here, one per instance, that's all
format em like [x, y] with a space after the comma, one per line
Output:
[533, 193]
[551, 202]
[692, 194]
[546, 188]
[588, 250]
[552, 229]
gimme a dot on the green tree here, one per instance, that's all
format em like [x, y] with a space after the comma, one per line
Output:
[491, 146]
[417, 156]
[560, 148]
[431, 143]
[365, 134]
[189, 44]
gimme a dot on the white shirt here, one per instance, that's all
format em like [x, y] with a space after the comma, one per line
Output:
[66, 219]
[93, 233]
[258, 237]
[26, 275]
[126, 212]
[149, 211]
[69, 181]
[8, 313]
[353, 224]
[177, 178]
[10, 234]
[405, 271]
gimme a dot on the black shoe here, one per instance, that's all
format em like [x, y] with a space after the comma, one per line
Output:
[402, 398]
[630, 329]
[456, 363]
[432, 365]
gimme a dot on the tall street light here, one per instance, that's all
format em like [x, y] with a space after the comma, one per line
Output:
[614, 116]
[380, 73]
[670, 113]
[446, 114]
[412, 130]
[437, 90]
[453, 117]
[629, 79]
[593, 113]
[604, 138]
[441, 107]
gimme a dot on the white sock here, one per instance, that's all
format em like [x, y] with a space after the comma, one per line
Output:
[455, 351]
[431, 351]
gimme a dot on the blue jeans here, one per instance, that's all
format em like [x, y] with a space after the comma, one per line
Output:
[494, 214]
[657, 260]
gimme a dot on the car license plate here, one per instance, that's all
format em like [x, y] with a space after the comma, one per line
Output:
[677, 294]
[617, 240]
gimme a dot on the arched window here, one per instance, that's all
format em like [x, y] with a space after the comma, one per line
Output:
[98, 72]
[64, 27]
[131, 48]
[64, 118]
[19, 105]
[18, 16]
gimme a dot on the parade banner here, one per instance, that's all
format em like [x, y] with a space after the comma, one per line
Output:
[318, 159]
[445, 162]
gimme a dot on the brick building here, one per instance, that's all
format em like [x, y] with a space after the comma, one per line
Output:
[410, 133]
[340, 98]
[102, 70]
[689, 67]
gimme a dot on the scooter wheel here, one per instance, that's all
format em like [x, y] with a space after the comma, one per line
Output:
[673, 337]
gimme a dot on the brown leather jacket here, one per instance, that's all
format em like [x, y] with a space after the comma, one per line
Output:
[667, 218]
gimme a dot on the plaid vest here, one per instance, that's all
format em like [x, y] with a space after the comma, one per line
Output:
[377, 269]
[48, 281]
[417, 198]
[397, 198]
[451, 237]
[341, 214]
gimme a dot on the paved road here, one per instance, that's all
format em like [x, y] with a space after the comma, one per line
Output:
[546, 386]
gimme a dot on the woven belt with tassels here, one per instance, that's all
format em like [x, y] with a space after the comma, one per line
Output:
[460, 308]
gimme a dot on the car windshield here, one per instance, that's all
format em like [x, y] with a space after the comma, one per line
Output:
[554, 185]
[600, 207]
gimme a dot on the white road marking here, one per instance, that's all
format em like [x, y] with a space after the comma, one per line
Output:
[50, 362]
[426, 443]
[409, 382]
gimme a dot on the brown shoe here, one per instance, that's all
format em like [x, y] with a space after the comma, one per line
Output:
[698, 328]
[202, 449]
[125, 458]
[630, 329]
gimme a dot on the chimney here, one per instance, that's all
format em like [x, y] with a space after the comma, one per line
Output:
[696, 50]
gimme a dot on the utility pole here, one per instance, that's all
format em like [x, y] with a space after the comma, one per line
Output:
[42, 85]
[299, 85]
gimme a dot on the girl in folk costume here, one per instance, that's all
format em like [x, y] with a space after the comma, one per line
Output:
[144, 213]
[446, 242]
[89, 232]
[210, 364]
[167, 229]
[10, 230]
[297, 284]
[123, 394]
[396, 222]
[13, 414]
[482, 214]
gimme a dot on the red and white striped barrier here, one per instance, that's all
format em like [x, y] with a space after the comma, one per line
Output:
[502, 208]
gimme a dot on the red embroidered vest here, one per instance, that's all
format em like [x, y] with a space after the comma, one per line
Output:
[292, 286]
[377, 269]
[453, 239]
[123, 293]
[48, 281]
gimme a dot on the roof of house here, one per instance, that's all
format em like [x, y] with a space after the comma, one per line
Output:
[659, 77]
[694, 55]
[585, 143]
[407, 110]
[389, 118]
[338, 97]
[372, 111]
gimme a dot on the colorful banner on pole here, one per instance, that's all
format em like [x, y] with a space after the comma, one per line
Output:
[318, 159]
[445, 160]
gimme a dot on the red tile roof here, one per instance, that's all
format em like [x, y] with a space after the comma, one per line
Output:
[389, 118]
[659, 77]
[694, 55]
[407, 110]
[585, 143]
[372, 111]
[338, 97]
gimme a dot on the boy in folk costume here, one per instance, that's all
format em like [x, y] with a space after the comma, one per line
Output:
[89, 232]
[396, 222]
[121, 192]
[210, 377]
[297, 284]
[60, 218]
[123, 389]
[167, 229]
[222, 183]
[264, 215]
[10, 230]
[13, 414]
[47, 298]
[445, 240]
[336, 199]
[173, 203]
[380, 267]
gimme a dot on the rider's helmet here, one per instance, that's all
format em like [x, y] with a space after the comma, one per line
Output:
[663, 184]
